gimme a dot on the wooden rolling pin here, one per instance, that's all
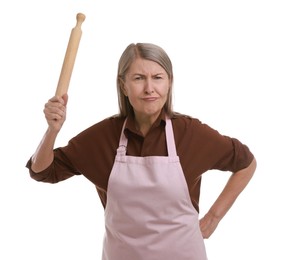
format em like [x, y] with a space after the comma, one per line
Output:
[70, 56]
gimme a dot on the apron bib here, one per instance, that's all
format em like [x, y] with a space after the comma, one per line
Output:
[149, 214]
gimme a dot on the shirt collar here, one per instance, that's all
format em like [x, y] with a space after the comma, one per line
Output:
[131, 126]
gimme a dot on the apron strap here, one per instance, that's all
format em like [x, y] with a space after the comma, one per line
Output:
[121, 150]
[171, 146]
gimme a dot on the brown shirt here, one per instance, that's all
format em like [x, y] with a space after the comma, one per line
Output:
[199, 147]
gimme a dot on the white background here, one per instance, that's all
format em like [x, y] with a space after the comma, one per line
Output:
[228, 64]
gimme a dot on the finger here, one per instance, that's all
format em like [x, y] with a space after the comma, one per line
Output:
[65, 98]
[56, 102]
[54, 111]
[54, 116]
[57, 99]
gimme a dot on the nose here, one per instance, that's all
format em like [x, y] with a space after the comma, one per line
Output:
[148, 87]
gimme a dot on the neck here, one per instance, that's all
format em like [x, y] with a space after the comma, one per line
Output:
[144, 123]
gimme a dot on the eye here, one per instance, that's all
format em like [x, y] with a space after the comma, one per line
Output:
[157, 77]
[138, 77]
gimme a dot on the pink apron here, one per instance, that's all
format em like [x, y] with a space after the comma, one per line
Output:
[149, 214]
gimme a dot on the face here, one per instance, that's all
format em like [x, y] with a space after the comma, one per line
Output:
[146, 85]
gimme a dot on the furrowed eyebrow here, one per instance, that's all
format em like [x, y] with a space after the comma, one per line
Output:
[143, 75]
[159, 74]
[138, 75]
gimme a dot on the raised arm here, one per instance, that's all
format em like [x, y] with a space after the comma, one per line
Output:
[55, 114]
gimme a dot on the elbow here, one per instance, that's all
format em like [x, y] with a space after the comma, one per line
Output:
[253, 165]
[249, 171]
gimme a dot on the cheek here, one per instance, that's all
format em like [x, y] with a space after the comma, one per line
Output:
[165, 91]
[133, 90]
[131, 95]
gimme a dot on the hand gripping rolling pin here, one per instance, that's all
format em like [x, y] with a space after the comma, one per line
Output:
[70, 56]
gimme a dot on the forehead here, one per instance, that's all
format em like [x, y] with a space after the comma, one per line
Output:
[143, 66]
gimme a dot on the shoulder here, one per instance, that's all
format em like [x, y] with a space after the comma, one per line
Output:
[110, 123]
[186, 122]
[108, 126]
[191, 128]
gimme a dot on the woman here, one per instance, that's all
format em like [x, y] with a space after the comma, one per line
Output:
[147, 164]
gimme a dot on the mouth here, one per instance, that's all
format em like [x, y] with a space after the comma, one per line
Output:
[150, 99]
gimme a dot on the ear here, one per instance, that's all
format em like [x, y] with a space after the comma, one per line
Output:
[122, 86]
